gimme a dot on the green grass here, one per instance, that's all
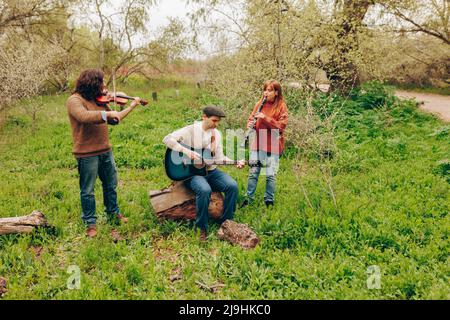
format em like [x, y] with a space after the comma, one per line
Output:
[426, 89]
[391, 181]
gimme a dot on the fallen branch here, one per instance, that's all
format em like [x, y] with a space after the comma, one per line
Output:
[24, 224]
[213, 289]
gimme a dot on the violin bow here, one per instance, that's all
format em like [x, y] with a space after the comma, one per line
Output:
[114, 90]
[113, 73]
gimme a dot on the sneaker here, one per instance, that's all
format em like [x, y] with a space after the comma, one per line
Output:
[269, 204]
[121, 218]
[244, 204]
[91, 231]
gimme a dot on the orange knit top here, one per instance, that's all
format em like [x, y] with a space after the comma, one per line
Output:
[270, 130]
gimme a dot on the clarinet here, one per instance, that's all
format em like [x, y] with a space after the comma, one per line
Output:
[252, 126]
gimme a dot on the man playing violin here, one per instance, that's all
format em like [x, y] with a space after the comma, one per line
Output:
[91, 147]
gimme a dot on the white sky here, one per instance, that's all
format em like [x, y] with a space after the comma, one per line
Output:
[160, 13]
[165, 9]
[159, 17]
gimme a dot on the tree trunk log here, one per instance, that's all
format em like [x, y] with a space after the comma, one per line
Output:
[24, 224]
[178, 203]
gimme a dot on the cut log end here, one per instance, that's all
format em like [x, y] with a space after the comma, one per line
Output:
[23, 224]
[238, 234]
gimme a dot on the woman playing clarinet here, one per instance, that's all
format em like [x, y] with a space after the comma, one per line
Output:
[269, 119]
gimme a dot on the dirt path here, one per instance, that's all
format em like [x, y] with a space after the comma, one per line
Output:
[435, 103]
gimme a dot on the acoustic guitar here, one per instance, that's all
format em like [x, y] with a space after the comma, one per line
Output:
[180, 167]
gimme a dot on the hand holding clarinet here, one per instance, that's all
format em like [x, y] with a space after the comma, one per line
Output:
[251, 126]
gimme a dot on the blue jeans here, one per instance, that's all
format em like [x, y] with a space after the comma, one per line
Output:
[271, 162]
[89, 168]
[216, 180]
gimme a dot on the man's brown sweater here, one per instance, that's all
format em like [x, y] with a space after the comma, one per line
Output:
[89, 131]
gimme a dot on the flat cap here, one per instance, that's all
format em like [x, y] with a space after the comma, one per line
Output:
[212, 110]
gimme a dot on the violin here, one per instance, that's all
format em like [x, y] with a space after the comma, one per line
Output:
[119, 97]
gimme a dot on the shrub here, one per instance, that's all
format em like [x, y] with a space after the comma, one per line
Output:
[443, 169]
[17, 121]
[442, 133]
[372, 94]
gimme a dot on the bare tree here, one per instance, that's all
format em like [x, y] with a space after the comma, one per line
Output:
[430, 17]
[19, 13]
[118, 28]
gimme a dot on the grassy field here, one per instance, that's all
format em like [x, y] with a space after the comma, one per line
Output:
[391, 180]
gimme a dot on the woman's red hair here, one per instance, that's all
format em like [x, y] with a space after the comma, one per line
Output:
[279, 100]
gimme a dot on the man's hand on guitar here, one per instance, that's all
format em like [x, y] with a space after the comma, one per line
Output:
[193, 155]
[240, 164]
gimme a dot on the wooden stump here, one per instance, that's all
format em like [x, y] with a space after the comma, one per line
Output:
[24, 224]
[178, 203]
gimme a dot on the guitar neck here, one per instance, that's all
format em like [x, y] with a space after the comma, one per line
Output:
[221, 163]
[233, 162]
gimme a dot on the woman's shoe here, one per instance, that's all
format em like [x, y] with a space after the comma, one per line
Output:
[269, 204]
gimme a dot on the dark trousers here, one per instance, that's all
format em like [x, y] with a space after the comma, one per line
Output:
[216, 180]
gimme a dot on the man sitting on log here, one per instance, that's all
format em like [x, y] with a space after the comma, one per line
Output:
[201, 135]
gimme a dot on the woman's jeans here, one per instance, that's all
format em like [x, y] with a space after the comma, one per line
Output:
[216, 180]
[271, 164]
[89, 168]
